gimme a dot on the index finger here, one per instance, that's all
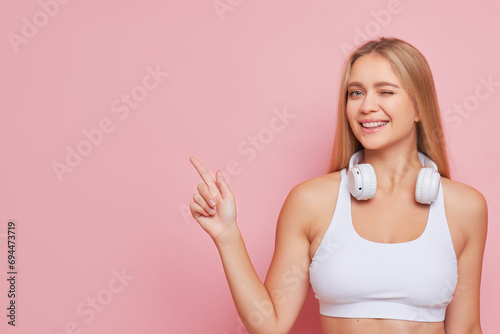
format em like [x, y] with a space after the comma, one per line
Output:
[204, 173]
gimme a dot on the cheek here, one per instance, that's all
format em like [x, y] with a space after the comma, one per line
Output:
[351, 121]
[405, 112]
[350, 112]
[404, 109]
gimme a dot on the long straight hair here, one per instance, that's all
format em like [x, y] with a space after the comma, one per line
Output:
[412, 69]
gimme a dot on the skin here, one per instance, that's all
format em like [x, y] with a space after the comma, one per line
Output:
[273, 306]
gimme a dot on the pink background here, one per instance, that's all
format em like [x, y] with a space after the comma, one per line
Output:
[123, 207]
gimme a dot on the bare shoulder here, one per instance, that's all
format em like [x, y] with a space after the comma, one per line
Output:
[465, 205]
[306, 200]
[463, 198]
[312, 190]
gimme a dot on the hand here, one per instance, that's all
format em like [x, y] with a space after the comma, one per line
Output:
[213, 207]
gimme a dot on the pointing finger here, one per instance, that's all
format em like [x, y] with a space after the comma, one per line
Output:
[204, 173]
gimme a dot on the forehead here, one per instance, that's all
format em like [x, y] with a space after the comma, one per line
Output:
[372, 68]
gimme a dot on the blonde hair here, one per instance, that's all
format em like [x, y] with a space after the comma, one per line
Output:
[412, 69]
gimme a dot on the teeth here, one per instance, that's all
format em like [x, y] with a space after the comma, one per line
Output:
[373, 124]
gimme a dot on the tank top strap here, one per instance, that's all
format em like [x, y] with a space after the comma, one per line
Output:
[343, 173]
[338, 229]
[342, 215]
[439, 229]
[436, 219]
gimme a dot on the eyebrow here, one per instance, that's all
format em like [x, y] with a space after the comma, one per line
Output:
[376, 84]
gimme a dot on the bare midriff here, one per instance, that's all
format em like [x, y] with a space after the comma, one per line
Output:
[333, 325]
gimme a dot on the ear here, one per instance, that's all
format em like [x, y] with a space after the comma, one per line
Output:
[417, 113]
[417, 117]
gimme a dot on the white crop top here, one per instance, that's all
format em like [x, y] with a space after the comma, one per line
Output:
[356, 278]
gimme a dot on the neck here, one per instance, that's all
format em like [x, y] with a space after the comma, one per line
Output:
[395, 169]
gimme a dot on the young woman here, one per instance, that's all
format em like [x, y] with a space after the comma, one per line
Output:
[379, 257]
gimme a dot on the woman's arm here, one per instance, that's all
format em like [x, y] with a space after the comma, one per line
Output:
[467, 208]
[264, 308]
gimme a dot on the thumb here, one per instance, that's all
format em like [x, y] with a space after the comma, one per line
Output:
[223, 186]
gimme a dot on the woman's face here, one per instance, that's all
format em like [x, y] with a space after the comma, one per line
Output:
[380, 111]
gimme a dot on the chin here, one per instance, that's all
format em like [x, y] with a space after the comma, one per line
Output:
[370, 145]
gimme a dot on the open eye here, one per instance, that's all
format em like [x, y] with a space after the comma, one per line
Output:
[355, 93]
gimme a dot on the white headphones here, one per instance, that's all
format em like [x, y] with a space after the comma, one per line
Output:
[363, 181]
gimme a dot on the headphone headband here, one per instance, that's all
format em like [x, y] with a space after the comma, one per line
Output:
[424, 160]
[356, 158]
[427, 162]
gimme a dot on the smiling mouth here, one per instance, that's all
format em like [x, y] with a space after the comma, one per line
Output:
[373, 125]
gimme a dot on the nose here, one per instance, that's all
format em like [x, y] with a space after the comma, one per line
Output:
[369, 104]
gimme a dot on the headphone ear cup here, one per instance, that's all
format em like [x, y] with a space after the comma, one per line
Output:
[362, 181]
[427, 187]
